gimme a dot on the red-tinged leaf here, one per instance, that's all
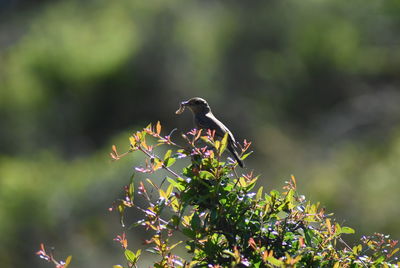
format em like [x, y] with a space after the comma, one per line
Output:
[329, 226]
[301, 242]
[294, 181]
[158, 164]
[144, 144]
[113, 156]
[114, 149]
[198, 135]
[142, 188]
[158, 127]
[252, 243]
[42, 247]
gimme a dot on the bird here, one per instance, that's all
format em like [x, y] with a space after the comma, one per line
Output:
[204, 119]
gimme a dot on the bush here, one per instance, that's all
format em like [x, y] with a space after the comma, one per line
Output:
[223, 222]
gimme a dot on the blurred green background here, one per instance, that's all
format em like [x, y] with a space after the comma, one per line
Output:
[314, 84]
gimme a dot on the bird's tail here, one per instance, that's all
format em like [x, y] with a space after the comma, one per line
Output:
[233, 151]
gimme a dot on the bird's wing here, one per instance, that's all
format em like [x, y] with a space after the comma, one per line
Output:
[209, 121]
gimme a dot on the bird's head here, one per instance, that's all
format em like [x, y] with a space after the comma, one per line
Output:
[196, 105]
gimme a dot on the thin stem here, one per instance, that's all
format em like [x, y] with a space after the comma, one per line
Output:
[349, 248]
[163, 166]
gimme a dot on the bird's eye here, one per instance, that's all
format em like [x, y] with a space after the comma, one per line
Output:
[197, 102]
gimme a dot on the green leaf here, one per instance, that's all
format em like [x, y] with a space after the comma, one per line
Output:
[189, 233]
[138, 252]
[204, 174]
[167, 154]
[347, 230]
[246, 155]
[357, 249]
[67, 261]
[169, 190]
[174, 221]
[274, 261]
[131, 189]
[151, 183]
[176, 184]
[289, 198]
[275, 193]
[130, 256]
[393, 252]
[224, 143]
[308, 236]
[169, 162]
[195, 222]
[379, 260]
[259, 193]
[174, 245]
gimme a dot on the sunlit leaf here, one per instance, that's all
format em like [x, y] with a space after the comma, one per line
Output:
[272, 260]
[130, 256]
[169, 190]
[169, 162]
[157, 164]
[132, 140]
[347, 230]
[357, 249]
[328, 225]
[217, 144]
[131, 189]
[151, 183]
[246, 155]
[204, 174]
[242, 182]
[259, 193]
[167, 154]
[163, 194]
[67, 261]
[393, 252]
[174, 245]
[177, 185]
[224, 143]
[158, 127]
[293, 181]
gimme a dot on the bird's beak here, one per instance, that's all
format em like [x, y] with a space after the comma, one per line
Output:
[182, 107]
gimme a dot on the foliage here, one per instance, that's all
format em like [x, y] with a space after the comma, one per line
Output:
[50, 258]
[225, 223]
